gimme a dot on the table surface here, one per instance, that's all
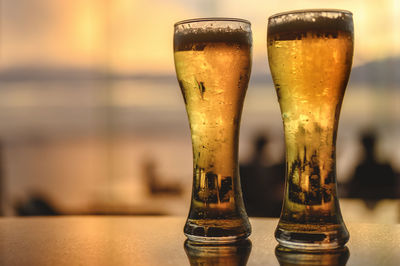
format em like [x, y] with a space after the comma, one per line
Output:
[109, 240]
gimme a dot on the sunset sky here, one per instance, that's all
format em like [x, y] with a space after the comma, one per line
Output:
[135, 36]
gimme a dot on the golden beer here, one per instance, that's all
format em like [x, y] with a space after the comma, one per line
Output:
[310, 55]
[213, 62]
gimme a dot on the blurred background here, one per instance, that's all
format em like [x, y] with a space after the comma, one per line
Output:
[92, 120]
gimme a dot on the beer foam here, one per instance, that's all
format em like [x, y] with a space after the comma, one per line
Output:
[311, 20]
[187, 38]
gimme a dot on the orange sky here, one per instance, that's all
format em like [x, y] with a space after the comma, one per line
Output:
[133, 36]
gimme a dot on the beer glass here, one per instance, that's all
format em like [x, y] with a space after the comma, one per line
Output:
[310, 55]
[213, 63]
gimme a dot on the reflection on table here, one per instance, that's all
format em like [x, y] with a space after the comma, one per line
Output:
[289, 257]
[231, 254]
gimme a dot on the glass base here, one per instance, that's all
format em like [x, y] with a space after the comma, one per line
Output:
[306, 240]
[223, 231]
[215, 240]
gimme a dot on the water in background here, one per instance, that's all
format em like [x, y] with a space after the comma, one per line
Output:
[85, 144]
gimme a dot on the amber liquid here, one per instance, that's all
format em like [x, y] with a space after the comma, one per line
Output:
[213, 72]
[310, 69]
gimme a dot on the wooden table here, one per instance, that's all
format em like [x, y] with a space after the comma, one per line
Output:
[108, 240]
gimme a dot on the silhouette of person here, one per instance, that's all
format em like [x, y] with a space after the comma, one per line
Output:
[372, 180]
[36, 205]
[262, 185]
[154, 183]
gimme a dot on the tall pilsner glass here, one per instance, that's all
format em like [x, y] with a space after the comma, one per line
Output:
[213, 63]
[310, 55]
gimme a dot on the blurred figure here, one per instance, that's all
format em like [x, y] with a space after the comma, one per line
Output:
[262, 185]
[154, 184]
[372, 180]
[36, 205]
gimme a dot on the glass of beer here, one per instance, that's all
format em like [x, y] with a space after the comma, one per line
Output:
[310, 55]
[213, 64]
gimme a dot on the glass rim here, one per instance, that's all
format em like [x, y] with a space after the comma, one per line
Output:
[312, 10]
[223, 19]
